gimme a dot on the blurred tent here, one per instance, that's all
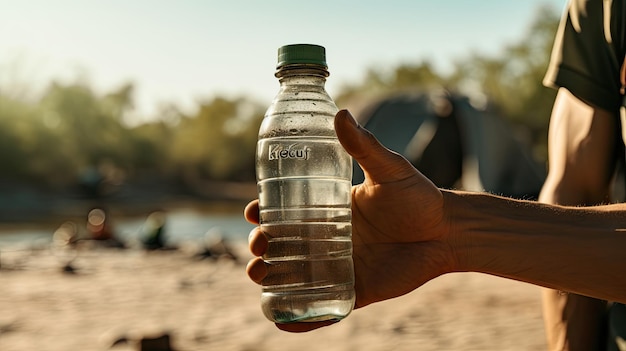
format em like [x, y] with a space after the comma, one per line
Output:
[454, 144]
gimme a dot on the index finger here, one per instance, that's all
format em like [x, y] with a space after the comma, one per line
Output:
[251, 212]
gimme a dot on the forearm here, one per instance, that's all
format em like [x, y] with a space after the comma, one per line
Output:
[580, 250]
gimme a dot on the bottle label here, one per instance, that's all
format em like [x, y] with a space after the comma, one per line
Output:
[295, 151]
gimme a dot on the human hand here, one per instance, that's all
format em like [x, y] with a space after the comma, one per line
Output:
[399, 230]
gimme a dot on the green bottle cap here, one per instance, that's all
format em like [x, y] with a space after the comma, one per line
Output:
[301, 54]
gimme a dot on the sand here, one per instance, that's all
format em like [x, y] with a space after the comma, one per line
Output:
[205, 304]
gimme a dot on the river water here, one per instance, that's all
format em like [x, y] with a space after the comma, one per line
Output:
[181, 225]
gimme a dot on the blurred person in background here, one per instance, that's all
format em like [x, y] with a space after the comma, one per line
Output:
[100, 230]
[585, 146]
[153, 231]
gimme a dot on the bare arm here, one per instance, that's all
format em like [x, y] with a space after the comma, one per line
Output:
[573, 249]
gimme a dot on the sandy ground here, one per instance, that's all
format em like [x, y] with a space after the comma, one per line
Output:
[211, 305]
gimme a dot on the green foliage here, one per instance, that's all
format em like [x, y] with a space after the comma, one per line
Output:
[71, 129]
[150, 146]
[219, 140]
[87, 127]
[419, 76]
[16, 137]
[512, 80]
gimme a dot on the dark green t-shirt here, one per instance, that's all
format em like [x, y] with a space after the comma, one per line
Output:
[589, 51]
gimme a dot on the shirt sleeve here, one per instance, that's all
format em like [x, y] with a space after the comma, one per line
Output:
[584, 58]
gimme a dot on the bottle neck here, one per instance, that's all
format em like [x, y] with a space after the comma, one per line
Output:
[302, 70]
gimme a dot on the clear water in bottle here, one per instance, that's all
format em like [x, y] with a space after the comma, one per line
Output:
[304, 183]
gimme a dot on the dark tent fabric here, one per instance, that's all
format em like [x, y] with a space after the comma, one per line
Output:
[454, 144]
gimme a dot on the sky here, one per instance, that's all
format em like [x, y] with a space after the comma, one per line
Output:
[187, 51]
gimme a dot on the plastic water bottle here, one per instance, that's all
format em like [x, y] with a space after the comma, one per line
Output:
[304, 182]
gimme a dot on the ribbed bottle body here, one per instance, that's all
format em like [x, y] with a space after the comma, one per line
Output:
[304, 184]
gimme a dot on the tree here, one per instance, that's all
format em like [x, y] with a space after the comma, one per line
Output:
[219, 140]
[512, 81]
[16, 137]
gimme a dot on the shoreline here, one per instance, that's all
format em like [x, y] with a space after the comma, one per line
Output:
[26, 203]
[185, 223]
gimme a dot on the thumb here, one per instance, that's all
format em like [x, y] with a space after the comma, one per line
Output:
[379, 164]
